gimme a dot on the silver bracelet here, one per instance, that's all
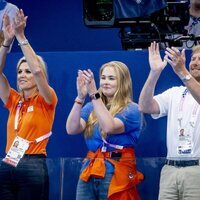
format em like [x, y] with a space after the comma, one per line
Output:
[23, 42]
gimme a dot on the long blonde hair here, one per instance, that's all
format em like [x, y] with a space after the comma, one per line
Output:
[121, 98]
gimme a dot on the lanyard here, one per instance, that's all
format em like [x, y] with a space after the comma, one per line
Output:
[43, 137]
[19, 105]
[195, 109]
[112, 145]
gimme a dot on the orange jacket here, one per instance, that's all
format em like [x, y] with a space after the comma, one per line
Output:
[125, 177]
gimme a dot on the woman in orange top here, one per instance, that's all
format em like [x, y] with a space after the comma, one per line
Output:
[23, 171]
[111, 123]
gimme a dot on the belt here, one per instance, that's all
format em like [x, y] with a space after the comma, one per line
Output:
[182, 163]
[115, 154]
[35, 156]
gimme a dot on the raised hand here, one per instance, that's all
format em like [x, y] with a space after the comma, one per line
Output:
[155, 60]
[89, 79]
[81, 85]
[19, 23]
[176, 59]
[8, 30]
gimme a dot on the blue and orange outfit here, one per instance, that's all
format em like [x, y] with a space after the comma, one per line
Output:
[119, 158]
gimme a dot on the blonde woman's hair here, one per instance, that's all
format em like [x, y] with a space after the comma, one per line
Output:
[42, 65]
[195, 49]
[121, 98]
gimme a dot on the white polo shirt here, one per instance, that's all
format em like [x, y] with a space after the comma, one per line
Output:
[169, 104]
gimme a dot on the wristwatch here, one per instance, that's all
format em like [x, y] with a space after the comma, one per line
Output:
[186, 78]
[23, 42]
[95, 96]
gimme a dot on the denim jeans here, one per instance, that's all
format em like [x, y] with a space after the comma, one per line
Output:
[28, 181]
[94, 189]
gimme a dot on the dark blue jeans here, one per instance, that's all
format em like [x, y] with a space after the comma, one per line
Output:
[28, 181]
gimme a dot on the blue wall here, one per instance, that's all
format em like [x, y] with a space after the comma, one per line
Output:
[57, 25]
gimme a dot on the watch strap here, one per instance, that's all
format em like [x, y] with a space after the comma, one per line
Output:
[95, 96]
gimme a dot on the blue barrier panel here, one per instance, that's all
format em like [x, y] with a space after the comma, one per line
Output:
[64, 174]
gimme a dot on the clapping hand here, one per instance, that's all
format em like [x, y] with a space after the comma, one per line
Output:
[176, 59]
[8, 30]
[81, 85]
[89, 79]
[19, 22]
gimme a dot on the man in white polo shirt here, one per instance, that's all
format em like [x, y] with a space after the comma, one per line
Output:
[180, 176]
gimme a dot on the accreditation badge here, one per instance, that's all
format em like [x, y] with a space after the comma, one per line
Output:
[103, 149]
[185, 144]
[16, 151]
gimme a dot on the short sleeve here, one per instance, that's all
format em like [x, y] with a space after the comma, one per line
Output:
[14, 97]
[164, 100]
[131, 117]
[86, 110]
[54, 99]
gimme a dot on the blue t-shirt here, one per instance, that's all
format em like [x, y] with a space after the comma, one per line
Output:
[131, 118]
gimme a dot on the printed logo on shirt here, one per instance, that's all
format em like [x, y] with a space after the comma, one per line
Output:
[30, 109]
